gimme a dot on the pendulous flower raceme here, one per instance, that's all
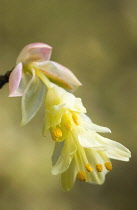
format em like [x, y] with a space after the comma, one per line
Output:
[79, 152]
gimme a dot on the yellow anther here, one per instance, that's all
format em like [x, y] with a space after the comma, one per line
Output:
[81, 176]
[108, 166]
[56, 133]
[76, 119]
[68, 125]
[88, 167]
[99, 167]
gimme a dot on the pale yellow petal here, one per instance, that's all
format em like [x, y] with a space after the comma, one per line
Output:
[69, 176]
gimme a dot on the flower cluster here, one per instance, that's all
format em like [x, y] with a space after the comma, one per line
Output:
[80, 152]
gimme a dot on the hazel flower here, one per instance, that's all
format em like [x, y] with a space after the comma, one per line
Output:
[29, 77]
[80, 152]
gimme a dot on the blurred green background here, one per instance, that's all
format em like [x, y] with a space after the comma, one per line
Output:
[97, 40]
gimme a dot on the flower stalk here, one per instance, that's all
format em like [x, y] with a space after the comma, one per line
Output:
[4, 78]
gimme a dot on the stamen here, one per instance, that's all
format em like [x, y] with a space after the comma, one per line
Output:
[81, 176]
[56, 133]
[88, 167]
[68, 125]
[66, 121]
[76, 119]
[108, 166]
[99, 167]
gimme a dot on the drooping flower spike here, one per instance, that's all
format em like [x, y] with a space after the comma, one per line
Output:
[79, 150]
[26, 80]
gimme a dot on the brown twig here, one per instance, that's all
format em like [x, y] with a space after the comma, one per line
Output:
[4, 78]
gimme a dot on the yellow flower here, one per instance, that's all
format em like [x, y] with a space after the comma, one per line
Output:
[80, 152]
[62, 109]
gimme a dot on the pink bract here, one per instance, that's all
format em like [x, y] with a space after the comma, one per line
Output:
[35, 52]
[14, 80]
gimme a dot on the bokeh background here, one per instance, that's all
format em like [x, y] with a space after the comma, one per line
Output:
[97, 40]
